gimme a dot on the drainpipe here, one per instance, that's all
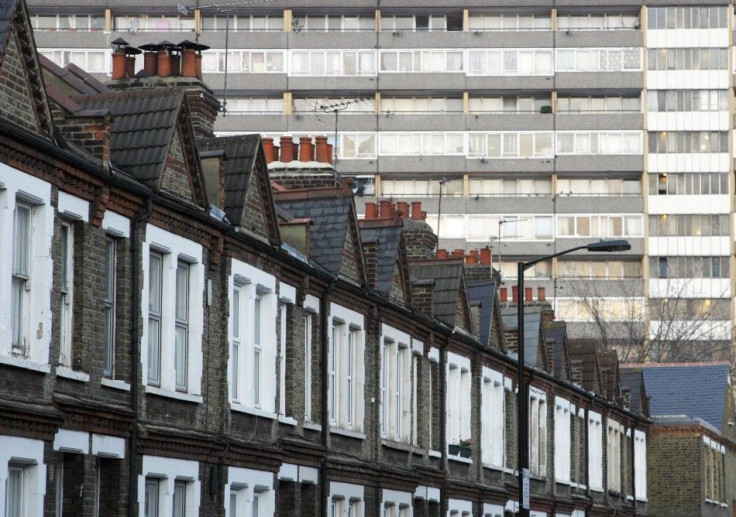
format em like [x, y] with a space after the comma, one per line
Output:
[443, 417]
[324, 326]
[135, 252]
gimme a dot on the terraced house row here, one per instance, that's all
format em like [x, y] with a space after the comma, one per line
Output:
[539, 123]
[198, 325]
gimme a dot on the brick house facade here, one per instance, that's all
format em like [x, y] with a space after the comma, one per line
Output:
[191, 327]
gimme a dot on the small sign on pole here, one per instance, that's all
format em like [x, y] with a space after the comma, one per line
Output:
[182, 9]
[525, 489]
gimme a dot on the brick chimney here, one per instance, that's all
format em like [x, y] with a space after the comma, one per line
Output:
[418, 235]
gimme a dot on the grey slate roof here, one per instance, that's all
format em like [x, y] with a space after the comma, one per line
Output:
[447, 276]
[388, 238]
[557, 331]
[328, 230]
[142, 127]
[693, 390]
[485, 292]
[532, 324]
[241, 154]
[586, 352]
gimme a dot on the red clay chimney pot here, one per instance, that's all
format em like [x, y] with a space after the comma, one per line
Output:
[287, 149]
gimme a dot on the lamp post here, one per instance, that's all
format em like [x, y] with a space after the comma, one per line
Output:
[523, 389]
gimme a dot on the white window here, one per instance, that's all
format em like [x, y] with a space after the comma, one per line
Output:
[253, 338]
[345, 500]
[396, 504]
[23, 476]
[109, 303]
[244, 61]
[493, 417]
[599, 60]
[315, 63]
[396, 385]
[563, 411]
[249, 493]
[595, 451]
[640, 465]
[458, 399]
[169, 487]
[308, 334]
[91, 60]
[510, 62]
[537, 433]
[509, 145]
[615, 437]
[346, 369]
[25, 269]
[173, 284]
[287, 295]
[67, 294]
[357, 145]
[459, 508]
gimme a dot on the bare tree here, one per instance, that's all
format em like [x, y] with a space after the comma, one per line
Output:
[673, 327]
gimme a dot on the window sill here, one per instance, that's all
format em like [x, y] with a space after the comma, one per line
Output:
[400, 446]
[68, 373]
[596, 489]
[20, 362]
[161, 392]
[347, 432]
[115, 384]
[498, 468]
[283, 419]
[434, 454]
[313, 426]
[240, 408]
[459, 459]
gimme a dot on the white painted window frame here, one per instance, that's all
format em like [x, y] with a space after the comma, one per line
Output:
[249, 489]
[396, 384]
[564, 411]
[347, 369]
[458, 398]
[167, 471]
[595, 451]
[26, 454]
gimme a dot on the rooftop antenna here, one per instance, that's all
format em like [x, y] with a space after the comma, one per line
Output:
[227, 8]
[336, 107]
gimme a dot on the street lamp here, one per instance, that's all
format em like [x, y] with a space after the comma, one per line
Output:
[523, 389]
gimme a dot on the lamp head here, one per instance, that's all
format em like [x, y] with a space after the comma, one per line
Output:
[609, 246]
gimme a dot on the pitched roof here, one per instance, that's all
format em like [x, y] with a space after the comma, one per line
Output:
[448, 278]
[388, 239]
[329, 228]
[7, 9]
[557, 332]
[142, 128]
[586, 352]
[485, 292]
[532, 327]
[695, 390]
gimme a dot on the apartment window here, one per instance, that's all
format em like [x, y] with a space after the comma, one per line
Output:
[396, 387]
[595, 451]
[180, 498]
[563, 440]
[109, 305]
[420, 23]
[155, 275]
[243, 23]
[538, 434]
[597, 22]
[245, 61]
[181, 345]
[391, 105]
[493, 418]
[509, 22]
[688, 59]
[357, 145]
[608, 104]
[421, 143]
[509, 145]
[458, 399]
[171, 487]
[147, 23]
[599, 226]
[510, 62]
[67, 22]
[249, 493]
[598, 187]
[683, 225]
[690, 267]
[67, 294]
[688, 142]
[316, 63]
[260, 105]
[629, 142]
[688, 184]
[442, 61]
[21, 279]
[336, 23]
[598, 60]
[687, 100]
[508, 104]
[687, 17]
[346, 500]
[14, 506]
[407, 188]
[599, 269]
[92, 60]
[615, 437]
